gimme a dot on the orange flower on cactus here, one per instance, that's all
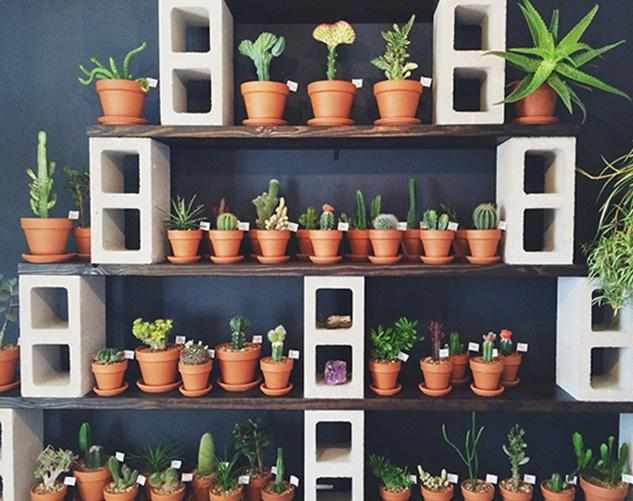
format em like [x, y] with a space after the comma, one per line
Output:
[505, 334]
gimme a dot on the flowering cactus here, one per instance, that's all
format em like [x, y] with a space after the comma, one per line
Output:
[334, 35]
[327, 218]
[506, 347]
[488, 346]
[276, 337]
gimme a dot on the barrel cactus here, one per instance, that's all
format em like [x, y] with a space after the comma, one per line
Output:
[485, 217]
[227, 222]
[386, 222]
[327, 220]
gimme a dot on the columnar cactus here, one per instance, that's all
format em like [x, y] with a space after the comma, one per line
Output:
[412, 214]
[277, 337]
[123, 477]
[308, 220]
[455, 346]
[375, 208]
[278, 486]
[385, 222]
[265, 203]
[360, 219]
[436, 329]
[488, 346]
[40, 189]
[506, 346]
[279, 220]
[485, 217]
[266, 46]
[206, 455]
[227, 222]
[239, 325]
[93, 455]
[327, 220]
[433, 222]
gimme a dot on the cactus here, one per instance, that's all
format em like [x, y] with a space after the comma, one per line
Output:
[278, 486]
[375, 208]
[485, 217]
[327, 218]
[93, 455]
[51, 463]
[432, 483]
[450, 211]
[206, 455]
[455, 346]
[394, 61]
[608, 469]
[100, 72]
[153, 334]
[433, 222]
[279, 220]
[276, 337]
[556, 483]
[488, 346]
[506, 346]
[515, 450]
[265, 203]
[308, 220]
[226, 222]
[239, 325]
[42, 199]
[436, 329]
[359, 222]
[168, 480]
[107, 356]
[386, 222]
[194, 353]
[266, 46]
[469, 455]
[334, 35]
[123, 477]
[412, 214]
[584, 458]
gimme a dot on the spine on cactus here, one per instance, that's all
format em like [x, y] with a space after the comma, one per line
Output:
[41, 199]
[375, 208]
[206, 455]
[386, 222]
[488, 346]
[412, 214]
[485, 217]
[360, 221]
[227, 222]
[265, 203]
[327, 218]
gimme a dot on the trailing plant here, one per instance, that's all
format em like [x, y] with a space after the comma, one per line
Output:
[488, 346]
[8, 306]
[327, 220]
[277, 337]
[388, 342]
[101, 72]
[412, 213]
[279, 486]
[455, 346]
[206, 456]
[333, 35]
[394, 61]
[153, 334]
[279, 220]
[610, 466]
[42, 198]
[451, 211]
[93, 456]
[123, 477]
[156, 458]
[394, 478]
[227, 222]
[226, 476]
[433, 222]
[251, 439]
[385, 222]
[265, 203]
[51, 463]
[109, 356]
[485, 217]
[556, 483]
[514, 448]
[194, 353]
[309, 220]
[262, 51]
[78, 183]
[375, 208]
[469, 454]
[239, 325]
[433, 483]
[167, 481]
[184, 215]
[506, 346]
[436, 329]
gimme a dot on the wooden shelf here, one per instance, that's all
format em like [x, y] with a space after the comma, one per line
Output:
[345, 137]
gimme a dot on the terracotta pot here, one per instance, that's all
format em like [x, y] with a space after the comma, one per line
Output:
[436, 375]
[511, 365]
[90, 484]
[121, 98]
[332, 99]
[286, 496]
[443, 495]
[265, 101]
[273, 243]
[226, 243]
[121, 496]
[46, 237]
[185, 243]
[195, 377]
[326, 242]
[460, 363]
[386, 495]
[411, 244]
[469, 495]
[276, 374]
[483, 243]
[305, 246]
[398, 98]
[567, 495]
[486, 375]
[82, 239]
[436, 243]
[8, 365]
[109, 376]
[234, 496]
[158, 368]
[594, 492]
[359, 243]
[50, 496]
[460, 245]
[508, 495]
[385, 374]
[385, 243]
[174, 496]
[255, 487]
[538, 108]
[238, 367]
[200, 487]
[256, 249]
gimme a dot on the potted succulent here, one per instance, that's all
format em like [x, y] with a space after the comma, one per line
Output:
[435, 488]
[79, 184]
[387, 344]
[91, 471]
[46, 236]
[51, 463]
[511, 359]
[308, 221]
[156, 458]
[332, 99]
[358, 233]
[183, 230]
[166, 485]
[276, 368]
[396, 480]
[279, 489]
[398, 96]
[238, 359]
[460, 243]
[552, 66]
[109, 366]
[385, 238]
[459, 357]
[473, 489]
[122, 96]
[326, 240]
[484, 239]
[436, 238]
[487, 369]
[204, 475]
[158, 360]
[226, 239]
[227, 486]
[437, 370]
[274, 239]
[411, 244]
[123, 486]
[557, 489]
[250, 439]
[195, 366]
[513, 488]
[9, 352]
[265, 205]
[265, 100]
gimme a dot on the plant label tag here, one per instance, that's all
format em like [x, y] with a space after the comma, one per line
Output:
[186, 477]
[426, 82]
[529, 479]
[423, 225]
[473, 347]
[402, 226]
[181, 339]
[343, 226]
[571, 480]
[120, 457]
[73, 214]
[627, 479]
[294, 480]
[503, 226]
[244, 480]
[70, 480]
[243, 226]
[358, 82]
[258, 339]
[522, 347]
[176, 464]
[211, 353]
[17, 341]
[141, 480]
[292, 86]
[413, 479]
[453, 226]
[294, 354]
[403, 356]
[452, 478]
[205, 225]
[293, 227]
[495, 353]
[444, 353]
[129, 354]
[152, 82]
[273, 470]
[491, 479]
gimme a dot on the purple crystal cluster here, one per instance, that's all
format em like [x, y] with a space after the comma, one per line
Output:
[335, 372]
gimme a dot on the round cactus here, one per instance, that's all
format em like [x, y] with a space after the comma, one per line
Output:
[485, 217]
[227, 222]
[386, 222]
[327, 218]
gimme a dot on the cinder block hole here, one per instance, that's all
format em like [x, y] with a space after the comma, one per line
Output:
[610, 368]
[190, 30]
[334, 489]
[334, 441]
[120, 172]
[540, 172]
[49, 307]
[471, 26]
[51, 364]
[470, 90]
[192, 91]
[326, 353]
[539, 230]
[333, 303]
[603, 317]
[121, 229]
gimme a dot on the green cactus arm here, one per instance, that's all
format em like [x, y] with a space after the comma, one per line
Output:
[442, 222]
[412, 214]
[206, 455]
[360, 221]
[246, 48]
[85, 438]
[114, 69]
[128, 57]
[279, 47]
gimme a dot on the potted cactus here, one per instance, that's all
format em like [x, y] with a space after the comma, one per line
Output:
[122, 96]
[78, 183]
[437, 370]
[154, 459]
[513, 488]
[265, 206]
[387, 344]
[265, 100]
[277, 367]
[459, 357]
[435, 488]
[227, 486]
[250, 439]
[487, 369]
[238, 359]
[226, 239]
[411, 245]
[484, 239]
[436, 238]
[123, 486]
[9, 352]
[358, 233]
[511, 359]
[327, 239]
[396, 480]
[332, 99]
[46, 236]
[91, 471]
[109, 366]
[183, 229]
[398, 96]
[274, 239]
[158, 360]
[166, 485]
[308, 221]
[557, 489]
[385, 238]
[51, 463]
[204, 474]
[279, 489]
[195, 367]
[460, 243]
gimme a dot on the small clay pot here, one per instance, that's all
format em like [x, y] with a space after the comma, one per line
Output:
[46, 236]
[200, 486]
[226, 243]
[286, 496]
[195, 377]
[185, 243]
[483, 243]
[273, 243]
[265, 101]
[232, 496]
[359, 243]
[487, 495]
[460, 365]
[256, 249]
[436, 243]
[91, 484]
[256, 485]
[238, 367]
[158, 368]
[174, 496]
[332, 100]
[398, 99]
[538, 108]
[385, 243]
[486, 375]
[386, 495]
[548, 495]
[120, 496]
[595, 492]
[411, 245]
[385, 374]
[9, 359]
[83, 241]
[305, 245]
[460, 245]
[436, 374]
[59, 495]
[443, 495]
[511, 364]
[508, 495]
[121, 98]
[109, 376]
[326, 243]
[276, 374]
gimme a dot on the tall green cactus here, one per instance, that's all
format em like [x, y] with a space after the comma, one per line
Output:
[42, 199]
[360, 220]
[278, 486]
[375, 208]
[412, 214]
[239, 325]
[93, 455]
[308, 220]
[123, 476]
[266, 203]
[266, 46]
[485, 217]
[206, 455]
[327, 218]
[227, 222]
[455, 346]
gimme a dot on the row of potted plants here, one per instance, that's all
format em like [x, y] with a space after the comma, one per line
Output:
[600, 476]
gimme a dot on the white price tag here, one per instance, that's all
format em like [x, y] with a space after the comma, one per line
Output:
[402, 226]
[413, 479]
[181, 339]
[152, 82]
[129, 354]
[453, 226]
[426, 82]
[491, 479]
[294, 354]
[141, 480]
[571, 480]
[495, 353]
[473, 347]
[522, 347]
[452, 478]
[358, 82]
[120, 456]
[502, 225]
[273, 470]
[403, 356]
[70, 480]
[73, 214]
[343, 226]
[444, 353]
[294, 480]
[243, 226]
[258, 339]
[423, 225]
[293, 86]
[186, 477]
[205, 225]
[211, 353]
[293, 227]
[176, 463]
[627, 479]
[17, 341]
[529, 479]
[244, 480]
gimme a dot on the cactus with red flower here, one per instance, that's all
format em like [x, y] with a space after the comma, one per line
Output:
[506, 346]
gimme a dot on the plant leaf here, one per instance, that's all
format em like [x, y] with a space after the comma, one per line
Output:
[573, 37]
[587, 79]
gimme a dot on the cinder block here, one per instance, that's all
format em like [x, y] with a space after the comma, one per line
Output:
[450, 63]
[577, 338]
[326, 460]
[315, 337]
[62, 325]
[555, 202]
[109, 166]
[21, 435]
[211, 69]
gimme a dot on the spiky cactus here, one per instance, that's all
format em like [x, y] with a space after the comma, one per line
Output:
[433, 483]
[455, 346]
[412, 214]
[124, 477]
[436, 329]
[262, 51]
[278, 486]
[279, 220]
[386, 222]
[488, 346]
[435, 222]
[265, 203]
[206, 455]
[239, 325]
[375, 208]
[359, 222]
[308, 220]
[485, 217]
[333, 35]
[327, 220]
[277, 337]
[93, 455]
[108, 356]
[42, 199]
[227, 222]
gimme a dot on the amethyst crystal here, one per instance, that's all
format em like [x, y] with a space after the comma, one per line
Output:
[335, 372]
